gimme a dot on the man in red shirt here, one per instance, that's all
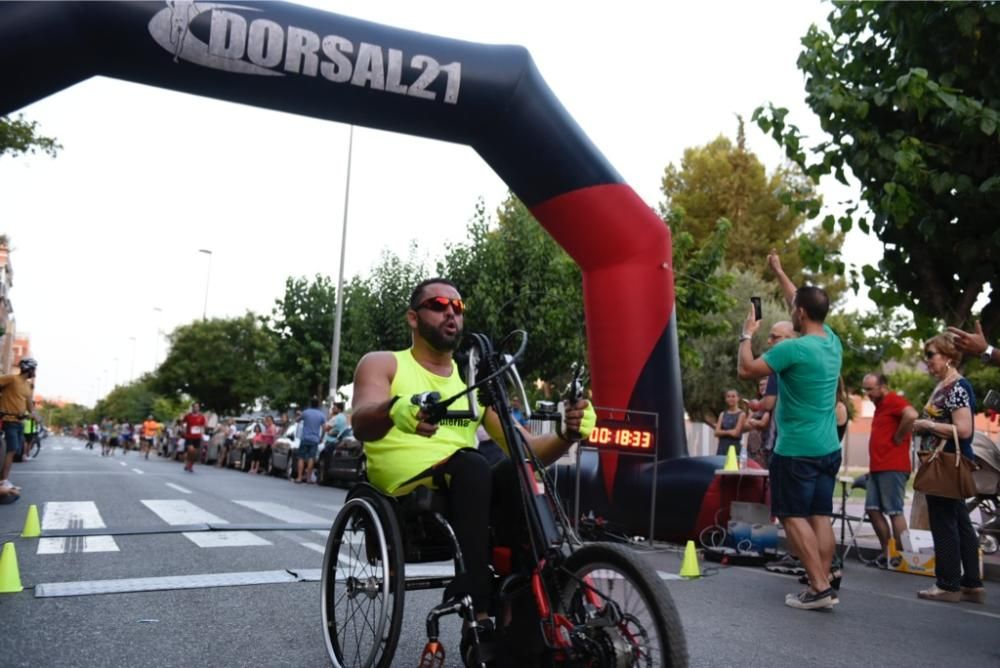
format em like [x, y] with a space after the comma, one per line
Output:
[194, 428]
[889, 461]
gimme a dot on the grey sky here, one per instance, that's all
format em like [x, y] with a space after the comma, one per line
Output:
[111, 228]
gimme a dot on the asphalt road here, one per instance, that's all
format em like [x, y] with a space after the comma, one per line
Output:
[732, 617]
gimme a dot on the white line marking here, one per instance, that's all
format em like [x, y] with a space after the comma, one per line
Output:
[178, 488]
[74, 515]
[668, 576]
[57, 447]
[75, 447]
[315, 547]
[123, 463]
[139, 471]
[178, 511]
[286, 514]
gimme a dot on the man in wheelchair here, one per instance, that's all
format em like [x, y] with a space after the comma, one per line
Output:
[404, 452]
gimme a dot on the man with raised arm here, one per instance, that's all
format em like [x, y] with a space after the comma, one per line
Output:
[974, 343]
[807, 453]
[405, 452]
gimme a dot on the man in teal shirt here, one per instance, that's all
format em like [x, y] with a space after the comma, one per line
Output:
[807, 455]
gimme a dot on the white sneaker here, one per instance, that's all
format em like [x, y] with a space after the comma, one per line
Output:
[6, 483]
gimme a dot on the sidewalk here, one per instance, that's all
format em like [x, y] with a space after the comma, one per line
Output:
[867, 540]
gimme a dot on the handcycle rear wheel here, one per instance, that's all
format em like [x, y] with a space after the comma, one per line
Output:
[649, 633]
[363, 585]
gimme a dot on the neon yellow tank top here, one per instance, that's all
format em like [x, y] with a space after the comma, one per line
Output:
[396, 462]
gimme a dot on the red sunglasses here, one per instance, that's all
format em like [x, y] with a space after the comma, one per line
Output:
[441, 304]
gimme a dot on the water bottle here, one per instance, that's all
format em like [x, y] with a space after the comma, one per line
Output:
[743, 456]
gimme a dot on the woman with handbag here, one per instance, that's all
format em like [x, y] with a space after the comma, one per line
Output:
[946, 426]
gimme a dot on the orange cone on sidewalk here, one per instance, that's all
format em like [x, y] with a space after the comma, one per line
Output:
[10, 577]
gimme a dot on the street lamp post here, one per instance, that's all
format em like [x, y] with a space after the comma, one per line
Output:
[208, 274]
[156, 337]
[131, 370]
[338, 315]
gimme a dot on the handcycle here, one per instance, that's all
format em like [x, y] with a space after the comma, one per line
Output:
[572, 603]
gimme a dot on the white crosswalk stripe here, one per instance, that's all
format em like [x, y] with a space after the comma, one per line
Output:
[183, 490]
[178, 512]
[74, 515]
[287, 514]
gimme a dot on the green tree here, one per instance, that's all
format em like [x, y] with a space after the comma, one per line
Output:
[134, 401]
[914, 384]
[18, 136]
[68, 415]
[869, 340]
[710, 370]
[909, 96]
[515, 276]
[722, 180]
[301, 326]
[222, 363]
[701, 286]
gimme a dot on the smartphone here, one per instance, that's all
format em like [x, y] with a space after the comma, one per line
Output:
[992, 400]
[757, 312]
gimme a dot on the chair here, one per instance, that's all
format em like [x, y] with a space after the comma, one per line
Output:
[849, 523]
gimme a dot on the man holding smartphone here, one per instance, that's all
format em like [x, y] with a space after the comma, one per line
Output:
[807, 454]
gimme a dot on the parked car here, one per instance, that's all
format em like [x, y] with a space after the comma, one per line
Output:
[283, 452]
[211, 445]
[344, 463]
[210, 451]
[239, 454]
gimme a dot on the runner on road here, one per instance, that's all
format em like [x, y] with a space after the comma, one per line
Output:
[149, 429]
[194, 428]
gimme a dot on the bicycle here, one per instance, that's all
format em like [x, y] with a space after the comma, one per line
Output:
[577, 604]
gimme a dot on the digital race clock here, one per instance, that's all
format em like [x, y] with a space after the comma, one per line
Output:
[630, 431]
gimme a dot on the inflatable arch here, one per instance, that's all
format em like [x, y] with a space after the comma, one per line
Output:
[492, 98]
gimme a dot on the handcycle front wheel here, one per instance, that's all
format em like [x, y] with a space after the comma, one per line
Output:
[363, 585]
[649, 633]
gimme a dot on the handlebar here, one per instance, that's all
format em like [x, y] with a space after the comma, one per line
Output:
[435, 409]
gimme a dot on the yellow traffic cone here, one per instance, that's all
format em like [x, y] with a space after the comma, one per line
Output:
[31, 527]
[731, 463]
[690, 567]
[10, 578]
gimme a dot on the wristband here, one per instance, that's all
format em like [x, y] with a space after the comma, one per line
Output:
[587, 423]
[745, 337]
[987, 354]
[404, 415]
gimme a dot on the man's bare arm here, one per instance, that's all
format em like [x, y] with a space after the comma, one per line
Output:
[787, 287]
[748, 368]
[905, 424]
[372, 398]
[548, 447]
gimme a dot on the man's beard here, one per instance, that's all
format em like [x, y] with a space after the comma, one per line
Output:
[437, 339]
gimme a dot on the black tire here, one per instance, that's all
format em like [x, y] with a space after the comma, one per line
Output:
[650, 615]
[363, 575]
[321, 476]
